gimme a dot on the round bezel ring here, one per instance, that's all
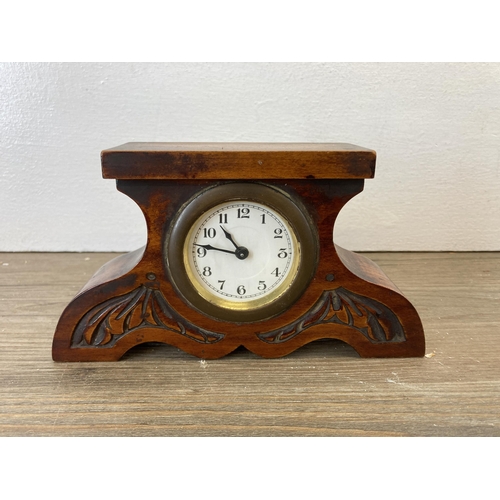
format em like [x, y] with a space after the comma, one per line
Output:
[287, 206]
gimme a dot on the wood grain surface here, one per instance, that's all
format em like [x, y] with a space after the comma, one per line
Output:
[323, 389]
[139, 298]
[212, 160]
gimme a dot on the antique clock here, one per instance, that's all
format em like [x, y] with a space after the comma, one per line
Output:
[240, 251]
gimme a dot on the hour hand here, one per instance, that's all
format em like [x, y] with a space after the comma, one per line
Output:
[229, 237]
[241, 252]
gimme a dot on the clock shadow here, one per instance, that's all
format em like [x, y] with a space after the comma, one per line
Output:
[325, 348]
[322, 348]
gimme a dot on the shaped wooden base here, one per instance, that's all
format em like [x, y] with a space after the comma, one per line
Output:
[131, 300]
[122, 307]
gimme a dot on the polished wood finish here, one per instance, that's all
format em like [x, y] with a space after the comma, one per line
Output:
[134, 300]
[214, 161]
[322, 389]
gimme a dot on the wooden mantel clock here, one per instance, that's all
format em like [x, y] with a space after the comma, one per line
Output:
[240, 252]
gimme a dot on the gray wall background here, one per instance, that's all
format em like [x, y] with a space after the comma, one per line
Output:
[435, 127]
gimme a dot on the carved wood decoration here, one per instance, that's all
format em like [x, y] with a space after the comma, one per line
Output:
[138, 298]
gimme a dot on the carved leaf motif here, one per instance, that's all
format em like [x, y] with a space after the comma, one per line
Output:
[144, 307]
[343, 315]
[367, 316]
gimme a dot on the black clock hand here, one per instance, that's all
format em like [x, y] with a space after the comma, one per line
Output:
[241, 252]
[229, 237]
[210, 247]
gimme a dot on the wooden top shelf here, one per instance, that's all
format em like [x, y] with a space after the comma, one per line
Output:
[192, 160]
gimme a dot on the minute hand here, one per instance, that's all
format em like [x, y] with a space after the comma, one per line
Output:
[210, 247]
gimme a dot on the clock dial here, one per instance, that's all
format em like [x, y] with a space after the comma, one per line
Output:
[241, 254]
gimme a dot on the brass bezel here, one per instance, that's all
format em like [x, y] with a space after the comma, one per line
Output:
[288, 207]
[256, 302]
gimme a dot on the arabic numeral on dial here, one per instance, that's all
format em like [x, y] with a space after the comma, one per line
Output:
[278, 233]
[241, 290]
[282, 253]
[262, 285]
[207, 271]
[243, 213]
[209, 232]
[221, 282]
[222, 218]
[276, 272]
[263, 216]
[201, 252]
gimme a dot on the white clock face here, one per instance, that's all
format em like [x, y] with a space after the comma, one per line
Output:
[241, 254]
